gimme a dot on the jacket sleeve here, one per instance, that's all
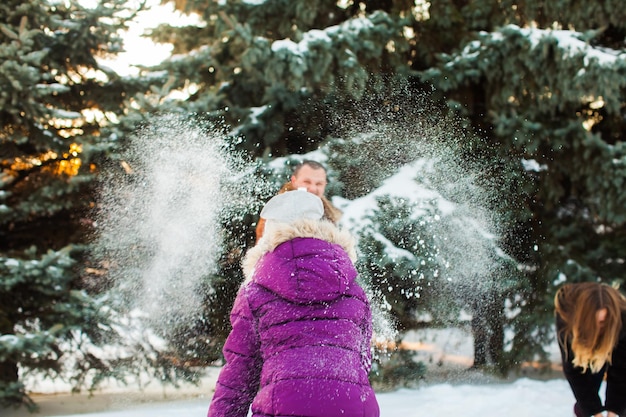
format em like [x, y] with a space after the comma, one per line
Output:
[616, 379]
[366, 347]
[584, 385]
[238, 381]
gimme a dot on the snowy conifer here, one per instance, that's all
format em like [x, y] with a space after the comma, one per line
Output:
[59, 111]
[544, 83]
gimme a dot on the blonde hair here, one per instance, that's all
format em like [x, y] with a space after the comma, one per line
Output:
[577, 305]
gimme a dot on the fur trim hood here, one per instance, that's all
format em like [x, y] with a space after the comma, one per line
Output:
[277, 233]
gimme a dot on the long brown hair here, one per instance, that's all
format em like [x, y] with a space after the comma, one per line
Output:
[577, 305]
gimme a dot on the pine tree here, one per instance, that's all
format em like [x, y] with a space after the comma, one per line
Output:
[544, 82]
[539, 84]
[272, 75]
[272, 72]
[424, 260]
[59, 113]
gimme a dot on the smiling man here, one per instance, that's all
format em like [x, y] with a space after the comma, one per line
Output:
[312, 176]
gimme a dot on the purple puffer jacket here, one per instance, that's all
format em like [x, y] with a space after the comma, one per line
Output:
[301, 330]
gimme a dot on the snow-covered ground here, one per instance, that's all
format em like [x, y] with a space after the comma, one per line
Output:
[449, 389]
[522, 398]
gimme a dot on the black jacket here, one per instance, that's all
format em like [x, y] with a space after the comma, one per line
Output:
[585, 386]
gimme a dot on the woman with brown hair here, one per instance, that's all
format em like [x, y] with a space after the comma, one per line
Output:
[591, 331]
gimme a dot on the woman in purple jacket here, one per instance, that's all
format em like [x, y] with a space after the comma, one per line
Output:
[301, 325]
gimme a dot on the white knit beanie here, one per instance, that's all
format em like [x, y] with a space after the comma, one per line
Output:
[293, 205]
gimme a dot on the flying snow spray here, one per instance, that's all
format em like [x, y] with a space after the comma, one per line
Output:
[160, 220]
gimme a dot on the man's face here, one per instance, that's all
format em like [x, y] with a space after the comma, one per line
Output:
[314, 180]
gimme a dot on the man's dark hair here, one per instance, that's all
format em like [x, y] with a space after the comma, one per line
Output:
[310, 164]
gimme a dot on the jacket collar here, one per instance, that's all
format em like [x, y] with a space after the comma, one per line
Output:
[278, 233]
